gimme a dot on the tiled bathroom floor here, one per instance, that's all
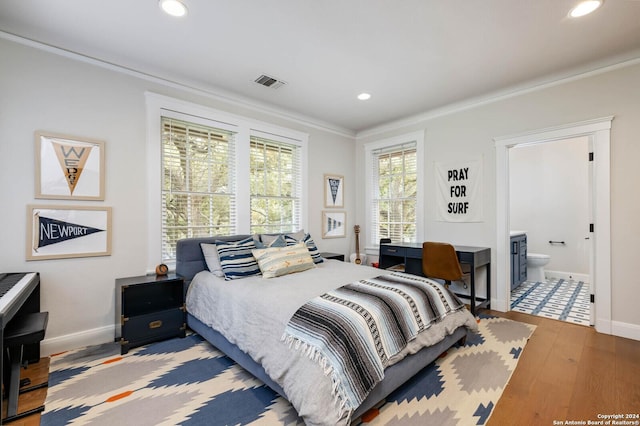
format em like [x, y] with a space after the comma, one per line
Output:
[554, 298]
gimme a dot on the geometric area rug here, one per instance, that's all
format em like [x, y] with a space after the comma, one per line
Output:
[189, 382]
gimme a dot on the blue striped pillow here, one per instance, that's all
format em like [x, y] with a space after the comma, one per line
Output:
[236, 258]
[311, 245]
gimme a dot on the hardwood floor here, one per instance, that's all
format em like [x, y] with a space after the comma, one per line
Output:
[566, 372]
[569, 372]
[38, 373]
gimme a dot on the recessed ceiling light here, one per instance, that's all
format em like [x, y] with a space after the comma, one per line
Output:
[173, 7]
[364, 96]
[585, 8]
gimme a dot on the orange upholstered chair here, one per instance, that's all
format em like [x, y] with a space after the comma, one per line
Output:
[439, 260]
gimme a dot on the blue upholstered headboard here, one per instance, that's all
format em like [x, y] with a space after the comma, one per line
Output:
[189, 257]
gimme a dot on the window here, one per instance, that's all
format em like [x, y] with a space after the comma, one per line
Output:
[394, 189]
[275, 186]
[214, 173]
[198, 188]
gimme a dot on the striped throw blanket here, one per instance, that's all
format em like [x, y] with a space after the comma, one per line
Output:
[353, 331]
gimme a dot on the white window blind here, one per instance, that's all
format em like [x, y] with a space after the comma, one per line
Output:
[394, 193]
[275, 185]
[198, 183]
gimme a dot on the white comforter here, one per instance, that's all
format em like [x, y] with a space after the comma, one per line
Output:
[252, 313]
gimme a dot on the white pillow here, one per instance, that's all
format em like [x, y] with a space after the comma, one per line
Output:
[210, 252]
[275, 241]
[268, 239]
[277, 261]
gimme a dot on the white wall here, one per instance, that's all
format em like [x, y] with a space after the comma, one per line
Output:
[549, 198]
[45, 91]
[468, 132]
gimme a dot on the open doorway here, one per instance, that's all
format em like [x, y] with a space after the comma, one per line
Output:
[598, 133]
[550, 213]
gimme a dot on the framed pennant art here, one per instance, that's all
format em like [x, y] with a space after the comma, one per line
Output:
[69, 168]
[333, 191]
[58, 232]
[334, 224]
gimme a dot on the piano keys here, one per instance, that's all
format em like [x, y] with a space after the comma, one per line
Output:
[15, 288]
[19, 294]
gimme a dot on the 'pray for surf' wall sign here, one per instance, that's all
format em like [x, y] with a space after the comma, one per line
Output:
[459, 191]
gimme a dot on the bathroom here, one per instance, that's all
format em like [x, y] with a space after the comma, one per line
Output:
[549, 201]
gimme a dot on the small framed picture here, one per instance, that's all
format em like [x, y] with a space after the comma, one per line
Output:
[333, 191]
[334, 224]
[69, 168]
[58, 232]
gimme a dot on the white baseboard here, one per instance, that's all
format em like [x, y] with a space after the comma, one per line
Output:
[67, 342]
[567, 275]
[626, 330]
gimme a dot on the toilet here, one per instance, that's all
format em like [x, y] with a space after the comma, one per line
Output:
[535, 266]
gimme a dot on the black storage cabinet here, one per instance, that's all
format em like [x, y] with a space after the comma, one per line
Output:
[149, 308]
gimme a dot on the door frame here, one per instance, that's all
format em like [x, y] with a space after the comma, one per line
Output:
[598, 132]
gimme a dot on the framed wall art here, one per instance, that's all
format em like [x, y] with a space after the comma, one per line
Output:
[69, 168]
[58, 232]
[334, 224]
[333, 191]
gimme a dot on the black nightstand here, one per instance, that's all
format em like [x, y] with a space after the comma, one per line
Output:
[149, 308]
[335, 256]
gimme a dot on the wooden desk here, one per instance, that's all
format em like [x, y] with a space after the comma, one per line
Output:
[410, 254]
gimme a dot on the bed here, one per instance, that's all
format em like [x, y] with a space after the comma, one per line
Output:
[246, 319]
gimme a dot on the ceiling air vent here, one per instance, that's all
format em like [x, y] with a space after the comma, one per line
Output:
[268, 81]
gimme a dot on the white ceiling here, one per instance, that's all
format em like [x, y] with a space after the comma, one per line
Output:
[413, 56]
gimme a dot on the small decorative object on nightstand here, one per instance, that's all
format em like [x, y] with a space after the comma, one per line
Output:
[162, 269]
[149, 308]
[335, 256]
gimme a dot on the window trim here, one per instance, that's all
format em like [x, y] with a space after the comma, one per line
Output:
[373, 247]
[160, 105]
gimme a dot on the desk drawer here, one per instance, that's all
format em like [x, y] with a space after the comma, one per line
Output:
[393, 251]
[414, 253]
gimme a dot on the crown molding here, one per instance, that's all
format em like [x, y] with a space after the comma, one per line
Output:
[234, 99]
[211, 92]
[529, 87]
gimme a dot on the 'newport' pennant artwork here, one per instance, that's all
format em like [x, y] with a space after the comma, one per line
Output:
[54, 231]
[68, 231]
[69, 168]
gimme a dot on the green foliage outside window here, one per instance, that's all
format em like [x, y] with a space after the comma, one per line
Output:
[396, 201]
[199, 189]
[274, 186]
[198, 194]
